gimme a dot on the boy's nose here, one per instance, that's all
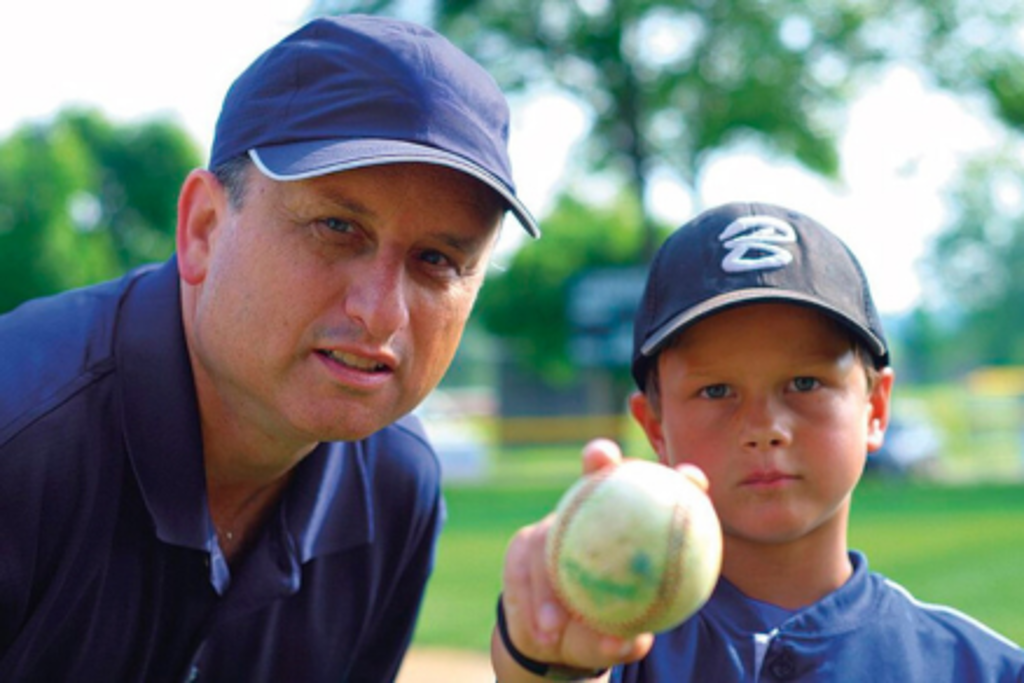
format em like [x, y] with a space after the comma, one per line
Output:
[764, 424]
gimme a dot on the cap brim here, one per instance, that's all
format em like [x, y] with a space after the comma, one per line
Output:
[311, 159]
[656, 341]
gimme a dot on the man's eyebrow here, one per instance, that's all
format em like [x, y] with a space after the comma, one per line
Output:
[465, 245]
[343, 200]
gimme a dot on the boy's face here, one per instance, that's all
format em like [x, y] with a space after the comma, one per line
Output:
[773, 403]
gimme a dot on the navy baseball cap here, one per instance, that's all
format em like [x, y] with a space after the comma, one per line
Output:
[743, 253]
[354, 91]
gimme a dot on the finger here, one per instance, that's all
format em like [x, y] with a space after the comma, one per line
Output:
[600, 453]
[585, 647]
[516, 587]
[624, 650]
[694, 474]
[549, 615]
[534, 616]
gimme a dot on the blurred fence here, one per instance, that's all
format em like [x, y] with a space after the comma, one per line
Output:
[990, 445]
[513, 432]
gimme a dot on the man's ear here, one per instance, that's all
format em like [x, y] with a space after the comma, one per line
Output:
[202, 207]
[648, 419]
[880, 408]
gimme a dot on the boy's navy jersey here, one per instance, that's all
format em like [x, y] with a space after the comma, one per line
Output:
[109, 565]
[869, 631]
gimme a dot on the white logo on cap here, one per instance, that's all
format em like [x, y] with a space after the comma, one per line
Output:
[753, 244]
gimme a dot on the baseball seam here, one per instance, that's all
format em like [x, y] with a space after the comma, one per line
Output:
[671, 576]
[559, 529]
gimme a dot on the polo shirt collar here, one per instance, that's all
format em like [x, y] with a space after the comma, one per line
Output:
[327, 505]
[161, 422]
[842, 610]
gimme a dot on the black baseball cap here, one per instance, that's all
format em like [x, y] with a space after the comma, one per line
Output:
[743, 253]
[354, 91]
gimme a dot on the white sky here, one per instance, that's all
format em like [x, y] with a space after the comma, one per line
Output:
[133, 59]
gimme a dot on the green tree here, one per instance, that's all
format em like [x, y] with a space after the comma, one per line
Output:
[83, 200]
[139, 169]
[525, 303]
[977, 263]
[970, 48]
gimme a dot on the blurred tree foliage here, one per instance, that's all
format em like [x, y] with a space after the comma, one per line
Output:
[82, 200]
[525, 303]
[977, 264]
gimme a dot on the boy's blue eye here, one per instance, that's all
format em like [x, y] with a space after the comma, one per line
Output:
[805, 383]
[715, 391]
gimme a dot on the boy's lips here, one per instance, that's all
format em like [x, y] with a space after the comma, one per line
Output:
[767, 478]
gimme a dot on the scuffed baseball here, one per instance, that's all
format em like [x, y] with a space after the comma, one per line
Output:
[634, 548]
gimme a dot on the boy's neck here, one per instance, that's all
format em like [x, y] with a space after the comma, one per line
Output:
[789, 575]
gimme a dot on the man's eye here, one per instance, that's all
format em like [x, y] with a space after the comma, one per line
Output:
[805, 383]
[441, 263]
[435, 258]
[337, 225]
[715, 391]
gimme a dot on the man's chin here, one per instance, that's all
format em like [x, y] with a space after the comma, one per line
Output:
[356, 425]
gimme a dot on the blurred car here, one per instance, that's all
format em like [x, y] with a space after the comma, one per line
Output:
[459, 445]
[912, 448]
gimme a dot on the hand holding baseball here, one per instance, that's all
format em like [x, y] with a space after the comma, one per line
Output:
[634, 548]
[540, 624]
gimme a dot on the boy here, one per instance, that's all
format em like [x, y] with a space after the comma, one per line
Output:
[760, 360]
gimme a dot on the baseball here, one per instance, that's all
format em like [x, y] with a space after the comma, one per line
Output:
[634, 548]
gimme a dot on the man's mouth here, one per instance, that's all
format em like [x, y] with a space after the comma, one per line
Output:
[353, 361]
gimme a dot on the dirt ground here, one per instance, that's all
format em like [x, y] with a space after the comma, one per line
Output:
[428, 665]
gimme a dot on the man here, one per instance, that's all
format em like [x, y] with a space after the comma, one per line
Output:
[206, 472]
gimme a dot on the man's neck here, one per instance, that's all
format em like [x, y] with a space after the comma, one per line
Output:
[239, 512]
[246, 475]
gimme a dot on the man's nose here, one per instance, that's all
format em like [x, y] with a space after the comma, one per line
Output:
[375, 297]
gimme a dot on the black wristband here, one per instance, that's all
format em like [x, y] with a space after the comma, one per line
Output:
[556, 672]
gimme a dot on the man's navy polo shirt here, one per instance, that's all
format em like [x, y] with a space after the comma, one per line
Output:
[109, 564]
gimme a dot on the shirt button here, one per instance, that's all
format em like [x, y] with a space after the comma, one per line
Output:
[783, 667]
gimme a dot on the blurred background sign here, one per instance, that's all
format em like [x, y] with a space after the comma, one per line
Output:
[602, 304]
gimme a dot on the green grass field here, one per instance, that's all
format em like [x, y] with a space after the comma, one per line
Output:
[961, 546]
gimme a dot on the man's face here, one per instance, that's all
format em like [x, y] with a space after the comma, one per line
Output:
[325, 309]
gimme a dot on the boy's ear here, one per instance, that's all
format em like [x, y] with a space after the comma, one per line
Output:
[202, 206]
[879, 408]
[645, 415]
